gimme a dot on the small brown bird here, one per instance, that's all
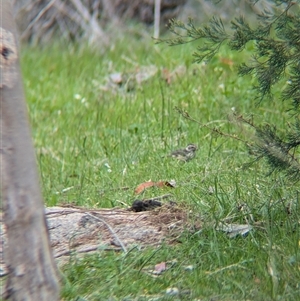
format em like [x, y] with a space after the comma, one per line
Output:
[185, 154]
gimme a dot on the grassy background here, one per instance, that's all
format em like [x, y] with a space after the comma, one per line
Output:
[91, 143]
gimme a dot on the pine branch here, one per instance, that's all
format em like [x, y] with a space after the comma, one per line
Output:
[276, 57]
[279, 154]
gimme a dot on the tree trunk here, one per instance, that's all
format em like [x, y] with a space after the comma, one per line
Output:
[32, 274]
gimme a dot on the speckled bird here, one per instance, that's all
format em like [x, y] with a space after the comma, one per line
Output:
[185, 154]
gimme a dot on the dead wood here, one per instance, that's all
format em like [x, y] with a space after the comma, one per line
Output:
[80, 230]
[85, 20]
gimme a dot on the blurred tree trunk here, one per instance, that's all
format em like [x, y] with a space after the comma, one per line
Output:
[32, 273]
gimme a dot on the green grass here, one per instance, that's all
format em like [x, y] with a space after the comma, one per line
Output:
[90, 143]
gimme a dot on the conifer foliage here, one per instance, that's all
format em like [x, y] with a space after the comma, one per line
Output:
[276, 56]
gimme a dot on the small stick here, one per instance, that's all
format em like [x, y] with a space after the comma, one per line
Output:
[93, 248]
[110, 229]
[186, 115]
[165, 196]
[157, 5]
[39, 15]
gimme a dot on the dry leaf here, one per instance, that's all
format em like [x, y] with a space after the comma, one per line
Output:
[169, 76]
[227, 61]
[160, 267]
[166, 75]
[143, 186]
[140, 188]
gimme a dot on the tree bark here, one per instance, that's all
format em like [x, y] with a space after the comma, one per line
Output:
[32, 273]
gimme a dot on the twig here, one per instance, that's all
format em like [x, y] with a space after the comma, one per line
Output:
[235, 265]
[110, 229]
[90, 249]
[96, 31]
[60, 212]
[165, 196]
[186, 115]
[114, 189]
[68, 12]
[38, 16]
[157, 5]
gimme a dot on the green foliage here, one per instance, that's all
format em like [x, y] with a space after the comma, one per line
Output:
[95, 144]
[214, 33]
[277, 151]
[275, 58]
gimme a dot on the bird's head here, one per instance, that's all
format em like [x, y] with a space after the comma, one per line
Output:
[191, 147]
